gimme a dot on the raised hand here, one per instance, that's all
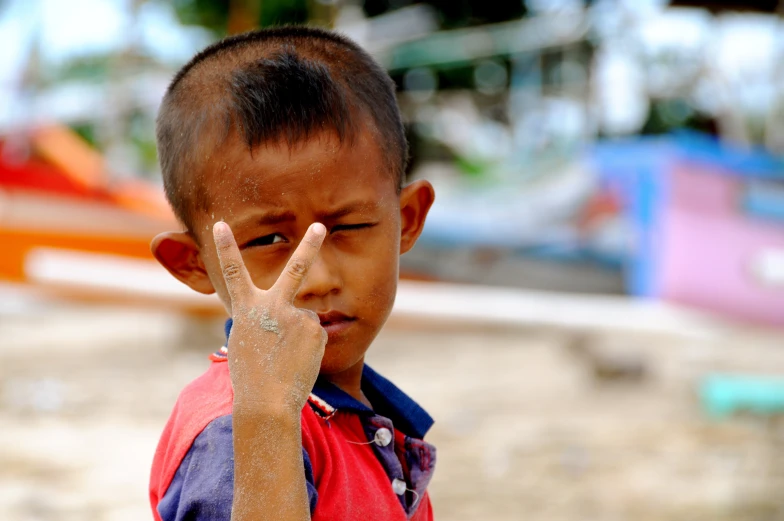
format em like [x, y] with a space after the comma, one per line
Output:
[275, 348]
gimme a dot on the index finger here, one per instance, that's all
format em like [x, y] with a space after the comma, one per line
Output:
[235, 275]
[296, 269]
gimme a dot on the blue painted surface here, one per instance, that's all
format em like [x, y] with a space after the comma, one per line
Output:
[764, 201]
[724, 395]
[638, 170]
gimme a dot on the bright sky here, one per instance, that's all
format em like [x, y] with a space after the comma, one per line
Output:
[68, 29]
[81, 26]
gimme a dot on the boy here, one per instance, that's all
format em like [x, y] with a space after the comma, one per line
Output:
[283, 156]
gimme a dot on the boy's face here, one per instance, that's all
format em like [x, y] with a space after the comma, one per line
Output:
[270, 198]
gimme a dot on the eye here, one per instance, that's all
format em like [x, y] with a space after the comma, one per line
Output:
[348, 227]
[266, 240]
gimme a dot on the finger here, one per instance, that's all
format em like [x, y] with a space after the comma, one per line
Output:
[238, 282]
[296, 269]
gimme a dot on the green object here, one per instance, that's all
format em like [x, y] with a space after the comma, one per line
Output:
[461, 46]
[471, 167]
[724, 395]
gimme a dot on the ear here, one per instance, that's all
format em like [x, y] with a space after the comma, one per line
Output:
[179, 253]
[415, 201]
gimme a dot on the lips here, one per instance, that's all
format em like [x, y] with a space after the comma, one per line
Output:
[335, 322]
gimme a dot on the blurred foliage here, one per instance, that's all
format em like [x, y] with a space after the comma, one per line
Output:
[139, 126]
[87, 131]
[277, 12]
[766, 6]
[97, 67]
[214, 14]
[667, 115]
[457, 13]
[83, 68]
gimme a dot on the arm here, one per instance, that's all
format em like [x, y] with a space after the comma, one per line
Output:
[269, 481]
[202, 489]
[275, 352]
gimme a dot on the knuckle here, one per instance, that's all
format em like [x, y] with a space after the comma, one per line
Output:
[312, 315]
[319, 335]
[297, 268]
[313, 324]
[316, 329]
[231, 271]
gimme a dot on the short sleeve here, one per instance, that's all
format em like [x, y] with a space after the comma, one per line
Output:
[203, 486]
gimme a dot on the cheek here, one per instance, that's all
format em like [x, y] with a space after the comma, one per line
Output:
[262, 273]
[374, 274]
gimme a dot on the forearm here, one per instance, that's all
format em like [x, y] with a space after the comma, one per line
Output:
[269, 477]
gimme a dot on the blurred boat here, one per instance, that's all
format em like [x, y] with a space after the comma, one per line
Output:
[68, 229]
[705, 215]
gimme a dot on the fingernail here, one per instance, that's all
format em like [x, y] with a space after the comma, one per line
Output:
[318, 228]
[220, 227]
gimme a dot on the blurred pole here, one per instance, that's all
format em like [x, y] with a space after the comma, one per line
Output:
[114, 128]
[18, 145]
[244, 15]
[323, 12]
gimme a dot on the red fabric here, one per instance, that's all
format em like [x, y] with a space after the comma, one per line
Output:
[208, 397]
[351, 482]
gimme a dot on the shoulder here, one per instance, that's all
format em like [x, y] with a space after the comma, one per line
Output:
[206, 398]
[202, 486]
[209, 392]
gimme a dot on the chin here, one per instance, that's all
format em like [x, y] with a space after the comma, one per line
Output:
[337, 361]
[345, 349]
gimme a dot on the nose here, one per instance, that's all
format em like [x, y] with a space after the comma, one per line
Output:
[323, 277]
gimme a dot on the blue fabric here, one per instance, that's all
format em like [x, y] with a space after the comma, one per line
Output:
[203, 487]
[227, 329]
[387, 399]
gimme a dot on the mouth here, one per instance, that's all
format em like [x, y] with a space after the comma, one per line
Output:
[335, 322]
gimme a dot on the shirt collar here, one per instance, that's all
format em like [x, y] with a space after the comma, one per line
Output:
[387, 399]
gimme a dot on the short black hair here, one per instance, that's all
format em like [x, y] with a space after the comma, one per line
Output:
[287, 82]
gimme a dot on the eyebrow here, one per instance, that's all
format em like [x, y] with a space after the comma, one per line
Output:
[349, 208]
[267, 218]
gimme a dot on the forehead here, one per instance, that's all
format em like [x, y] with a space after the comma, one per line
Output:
[312, 176]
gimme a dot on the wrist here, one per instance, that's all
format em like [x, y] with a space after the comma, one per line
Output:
[258, 410]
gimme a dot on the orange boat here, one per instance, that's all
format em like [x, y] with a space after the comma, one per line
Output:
[67, 228]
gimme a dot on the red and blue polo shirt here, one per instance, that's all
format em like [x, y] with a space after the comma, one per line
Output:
[360, 463]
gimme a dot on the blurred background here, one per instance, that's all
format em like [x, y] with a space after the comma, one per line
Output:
[596, 304]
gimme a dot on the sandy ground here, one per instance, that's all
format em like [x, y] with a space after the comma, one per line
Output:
[531, 423]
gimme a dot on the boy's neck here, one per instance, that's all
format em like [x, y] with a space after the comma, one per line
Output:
[350, 382]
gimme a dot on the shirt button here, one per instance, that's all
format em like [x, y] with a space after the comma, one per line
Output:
[383, 437]
[399, 486]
